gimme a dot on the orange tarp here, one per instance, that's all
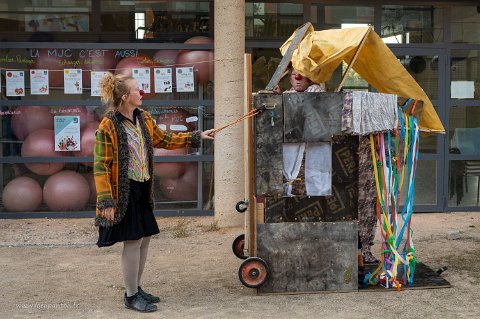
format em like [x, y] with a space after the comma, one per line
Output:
[321, 52]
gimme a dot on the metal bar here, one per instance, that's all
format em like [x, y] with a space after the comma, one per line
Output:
[91, 214]
[98, 103]
[65, 159]
[252, 229]
[277, 76]
[120, 46]
[355, 56]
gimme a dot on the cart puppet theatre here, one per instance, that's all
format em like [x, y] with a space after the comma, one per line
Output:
[394, 152]
[326, 128]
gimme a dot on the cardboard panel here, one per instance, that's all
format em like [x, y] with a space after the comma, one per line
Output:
[268, 139]
[312, 117]
[309, 257]
[342, 205]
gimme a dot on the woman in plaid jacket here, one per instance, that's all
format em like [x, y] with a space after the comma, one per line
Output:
[123, 170]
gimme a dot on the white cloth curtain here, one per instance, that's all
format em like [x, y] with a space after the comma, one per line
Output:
[318, 169]
[373, 112]
[292, 161]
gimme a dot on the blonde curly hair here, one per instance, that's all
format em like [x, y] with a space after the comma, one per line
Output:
[112, 88]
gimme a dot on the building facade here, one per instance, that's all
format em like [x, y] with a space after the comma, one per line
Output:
[189, 56]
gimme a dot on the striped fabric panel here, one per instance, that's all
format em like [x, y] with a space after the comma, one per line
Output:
[138, 164]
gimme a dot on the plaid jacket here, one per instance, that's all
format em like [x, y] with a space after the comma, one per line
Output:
[111, 157]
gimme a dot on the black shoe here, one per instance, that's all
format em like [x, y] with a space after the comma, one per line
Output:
[148, 297]
[136, 302]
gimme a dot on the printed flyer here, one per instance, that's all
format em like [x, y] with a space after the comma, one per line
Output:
[142, 76]
[67, 133]
[15, 83]
[96, 77]
[185, 81]
[39, 82]
[72, 81]
[163, 80]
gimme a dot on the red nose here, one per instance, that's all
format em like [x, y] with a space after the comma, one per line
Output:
[142, 92]
[298, 76]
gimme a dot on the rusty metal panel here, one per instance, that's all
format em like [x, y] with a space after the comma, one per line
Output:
[268, 139]
[342, 205]
[312, 117]
[309, 257]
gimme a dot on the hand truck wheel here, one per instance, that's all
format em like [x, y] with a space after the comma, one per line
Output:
[253, 272]
[238, 246]
[241, 206]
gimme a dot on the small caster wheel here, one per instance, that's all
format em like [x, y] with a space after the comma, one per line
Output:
[253, 272]
[241, 206]
[238, 246]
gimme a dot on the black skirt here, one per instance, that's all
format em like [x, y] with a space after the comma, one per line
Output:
[138, 221]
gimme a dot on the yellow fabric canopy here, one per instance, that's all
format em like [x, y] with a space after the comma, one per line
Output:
[320, 53]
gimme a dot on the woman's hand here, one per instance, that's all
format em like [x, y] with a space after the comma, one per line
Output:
[108, 213]
[208, 134]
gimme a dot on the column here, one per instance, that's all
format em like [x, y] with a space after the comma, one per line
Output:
[229, 103]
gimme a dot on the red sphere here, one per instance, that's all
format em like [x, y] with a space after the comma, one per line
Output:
[197, 40]
[175, 120]
[87, 141]
[201, 61]
[22, 194]
[31, 118]
[169, 170]
[167, 58]
[96, 60]
[182, 188]
[172, 120]
[66, 190]
[126, 65]
[41, 143]
[49, 60]
[93, 189]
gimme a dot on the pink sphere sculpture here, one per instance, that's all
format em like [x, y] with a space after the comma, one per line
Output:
[87, 141]
[202, 63]
[41, 143]
[49, 60]
[65, 191]
[27, 119]
[22, 194]
[182, 188]
[126, 65]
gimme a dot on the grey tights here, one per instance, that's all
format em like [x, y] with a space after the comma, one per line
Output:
[134, 256]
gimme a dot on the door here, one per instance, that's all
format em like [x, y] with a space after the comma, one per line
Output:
[428, 67]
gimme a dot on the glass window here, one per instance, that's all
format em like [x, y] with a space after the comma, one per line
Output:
[424, 69]
[412, 24]
[38, 162]
[425, 184]
[163, 21]
[465, 24]
[40, 20]
[464, 130]
[463, 183]
[465, 74]
[91, 62]
[117, 21]
[264, 64]
[336, 17]
[272, 20]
